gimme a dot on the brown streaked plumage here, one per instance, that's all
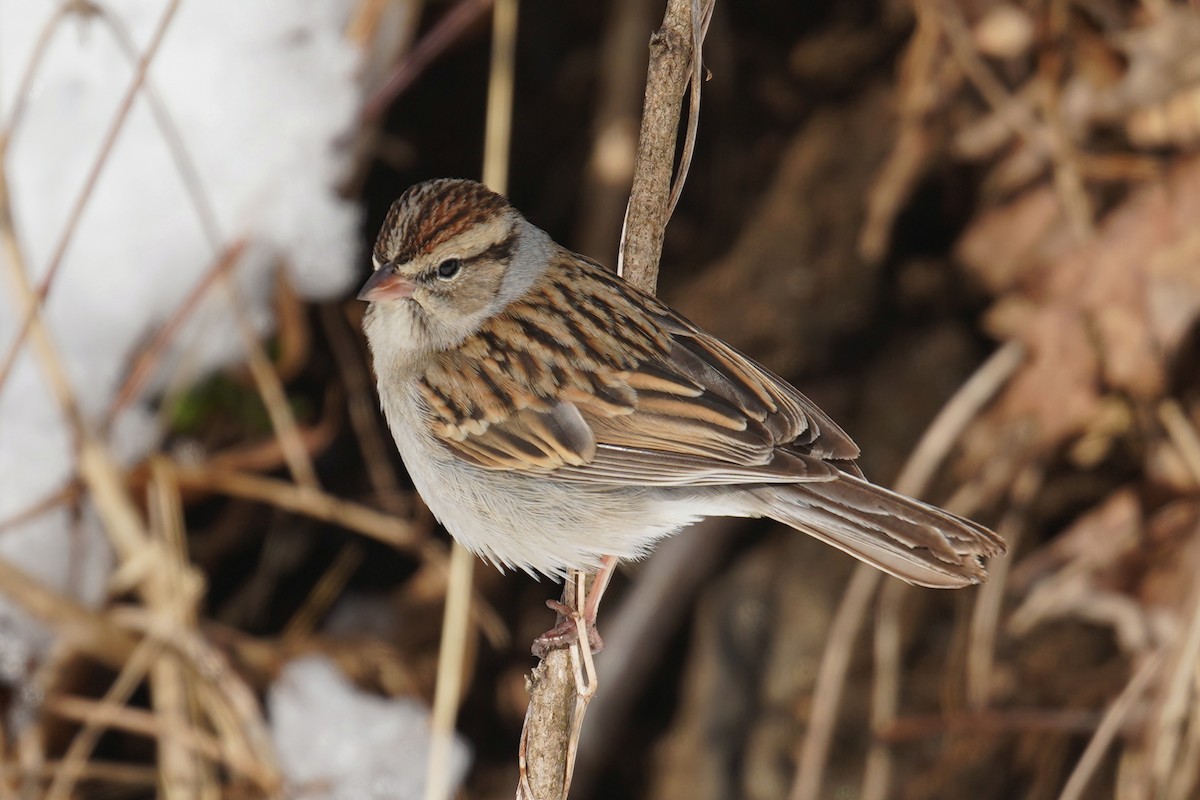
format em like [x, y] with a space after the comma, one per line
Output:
[553, 416]
[641, 382]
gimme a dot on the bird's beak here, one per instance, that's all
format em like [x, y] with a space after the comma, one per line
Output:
[385, 284]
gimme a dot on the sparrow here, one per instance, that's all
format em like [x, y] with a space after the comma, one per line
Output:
[554, 417]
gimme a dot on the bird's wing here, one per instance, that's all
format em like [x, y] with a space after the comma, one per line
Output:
[589, 380]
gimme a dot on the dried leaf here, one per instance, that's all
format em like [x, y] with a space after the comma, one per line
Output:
[1104, 315]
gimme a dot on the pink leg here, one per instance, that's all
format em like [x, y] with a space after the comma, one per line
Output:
[565, 633]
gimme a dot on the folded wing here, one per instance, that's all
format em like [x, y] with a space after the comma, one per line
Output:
[593, 386]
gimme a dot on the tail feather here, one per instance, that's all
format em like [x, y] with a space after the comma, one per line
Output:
[911, 540]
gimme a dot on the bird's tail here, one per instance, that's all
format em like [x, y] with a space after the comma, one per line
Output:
[911, 540]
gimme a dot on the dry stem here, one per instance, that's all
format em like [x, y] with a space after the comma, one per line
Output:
[93, 176]
[674, 61]
[447, 31]
[557, 703]
[1118, 711]
[936, 442]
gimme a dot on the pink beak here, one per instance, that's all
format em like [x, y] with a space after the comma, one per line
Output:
[385, 284]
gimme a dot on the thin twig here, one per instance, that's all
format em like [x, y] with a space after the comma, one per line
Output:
[913, 480]
[885, 690]
[699, 31]
[1176, 699]
[452, 656]
[831, 678]
[442, 35]
[550, 735]
[671, 66]
[97, 717]
[1110, 725]
[89, 185]
[270, 389]
[640, 633]
[958, 412]
[325, 592]
[85, 631]
[147, 359]
[912, 144]
[501, 78]
[1016, 113]
[586, 683]
[1183, 435]
[229, 704]
[266, 454]
[123, 774]
[312, 503]
[173, 595]
[985, 617]
[104, 714]
[68, 494]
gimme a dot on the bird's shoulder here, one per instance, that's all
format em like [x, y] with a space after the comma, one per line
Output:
[574, 335]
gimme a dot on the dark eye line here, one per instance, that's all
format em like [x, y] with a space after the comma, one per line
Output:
[434, 272]
[501, 251]
[430, 274]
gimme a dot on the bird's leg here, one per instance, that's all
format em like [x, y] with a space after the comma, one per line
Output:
[565, 633]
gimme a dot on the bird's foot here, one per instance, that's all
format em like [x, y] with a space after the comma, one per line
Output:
[566, 632]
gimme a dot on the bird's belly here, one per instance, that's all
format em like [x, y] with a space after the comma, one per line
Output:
[534, 523]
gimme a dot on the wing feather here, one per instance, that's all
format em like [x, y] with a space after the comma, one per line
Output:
[591, 381]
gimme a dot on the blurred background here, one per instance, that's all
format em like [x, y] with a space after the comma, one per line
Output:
[218, 582]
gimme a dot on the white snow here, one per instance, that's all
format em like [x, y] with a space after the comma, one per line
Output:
[261, 94]
[338, 743]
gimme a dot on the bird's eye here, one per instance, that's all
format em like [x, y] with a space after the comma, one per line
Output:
[449, 268]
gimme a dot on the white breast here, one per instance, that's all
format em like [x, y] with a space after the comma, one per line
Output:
[530, 522]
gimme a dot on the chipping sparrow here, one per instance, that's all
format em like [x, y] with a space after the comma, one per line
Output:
[552, 416]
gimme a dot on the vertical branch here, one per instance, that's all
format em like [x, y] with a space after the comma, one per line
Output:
[543, 760]
[498, 126]
[557, 697]
[674, 61]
